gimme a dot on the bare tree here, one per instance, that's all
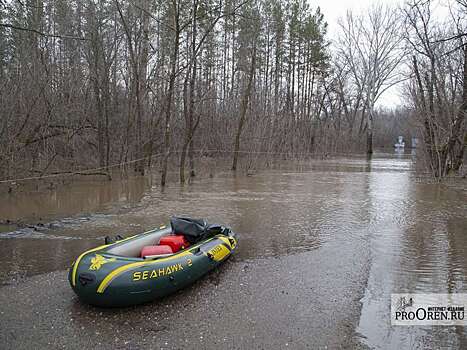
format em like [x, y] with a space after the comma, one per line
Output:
[439, 85]
[370, 48]
[176, 29]
[244, 107]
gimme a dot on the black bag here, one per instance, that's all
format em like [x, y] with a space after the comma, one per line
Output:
[194, 230]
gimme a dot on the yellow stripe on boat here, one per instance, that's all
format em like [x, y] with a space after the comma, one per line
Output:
[75, 265]
[126, 239]
[118, 271]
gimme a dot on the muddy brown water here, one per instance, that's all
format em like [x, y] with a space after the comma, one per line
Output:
[413, 232]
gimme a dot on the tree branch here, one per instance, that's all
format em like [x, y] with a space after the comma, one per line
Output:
[31, 30]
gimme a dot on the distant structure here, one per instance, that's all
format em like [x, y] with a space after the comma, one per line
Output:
[414, 142]
[400, 143]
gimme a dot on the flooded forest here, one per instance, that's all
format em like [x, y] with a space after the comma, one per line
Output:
[332, 149]
[91, 87]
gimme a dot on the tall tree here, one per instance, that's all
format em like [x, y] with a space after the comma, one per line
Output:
[250, 29]
[370, 47]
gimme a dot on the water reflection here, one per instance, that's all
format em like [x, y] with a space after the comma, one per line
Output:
[76, 198]
[418, 245]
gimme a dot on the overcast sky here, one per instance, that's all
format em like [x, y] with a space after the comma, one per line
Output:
[333, 9]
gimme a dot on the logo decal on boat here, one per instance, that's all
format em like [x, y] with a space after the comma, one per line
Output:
[218, 253]
[98, 261]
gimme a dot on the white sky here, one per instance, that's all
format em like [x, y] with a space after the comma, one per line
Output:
[334, 9]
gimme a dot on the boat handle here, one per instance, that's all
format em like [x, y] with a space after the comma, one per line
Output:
[197, 251]
[86, 278]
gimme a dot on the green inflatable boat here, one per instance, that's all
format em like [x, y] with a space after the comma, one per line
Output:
[150, 265]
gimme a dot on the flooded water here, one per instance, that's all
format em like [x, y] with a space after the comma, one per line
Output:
[414, 232]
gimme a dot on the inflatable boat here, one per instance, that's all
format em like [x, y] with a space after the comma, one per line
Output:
[150, 265]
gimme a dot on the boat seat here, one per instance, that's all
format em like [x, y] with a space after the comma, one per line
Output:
[156, 251]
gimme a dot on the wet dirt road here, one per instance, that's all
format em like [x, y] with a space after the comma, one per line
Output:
[321, 250]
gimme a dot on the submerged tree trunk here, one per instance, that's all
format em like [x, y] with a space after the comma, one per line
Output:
[142, 66]
[189, 98]
[459, 132]
[191, 156]
[369, 133]
[244, 107]
[172, 76]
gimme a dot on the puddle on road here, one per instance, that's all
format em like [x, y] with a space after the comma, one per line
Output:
[417, 231]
